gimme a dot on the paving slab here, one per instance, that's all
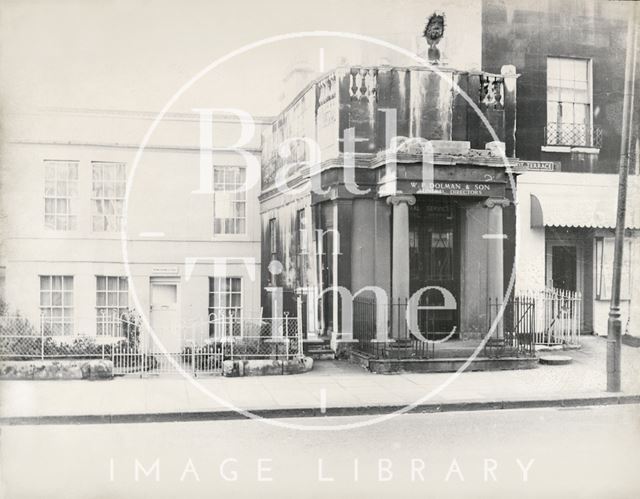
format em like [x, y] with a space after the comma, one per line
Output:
[344, 386]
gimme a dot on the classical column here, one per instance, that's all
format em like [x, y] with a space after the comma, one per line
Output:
[400, 260]
[495, 257]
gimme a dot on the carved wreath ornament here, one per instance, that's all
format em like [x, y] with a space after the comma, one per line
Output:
[434, 30]
[433, 33]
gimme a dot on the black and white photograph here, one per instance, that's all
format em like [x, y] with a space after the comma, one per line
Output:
[319, 249]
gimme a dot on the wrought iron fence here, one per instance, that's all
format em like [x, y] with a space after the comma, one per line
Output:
[21, 340]
[266, 338]
[515, 326]
[204, 344]
[573, 134]
[549, 317]
[560, 313]
[404, 344]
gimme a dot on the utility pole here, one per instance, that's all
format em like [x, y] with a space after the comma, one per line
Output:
[614, 325]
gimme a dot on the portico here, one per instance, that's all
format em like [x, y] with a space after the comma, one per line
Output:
[417, 216]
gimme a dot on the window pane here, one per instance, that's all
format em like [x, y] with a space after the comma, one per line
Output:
[553, 68]
[62, 206]
[61, 188]
[49, 172]
[581, 96]
[56, 299]
[73, 172]
[45, 282]
[56, 282]
[567, 112]
[567, 95]
[566, 69]
[580, 114]
[580, 69]
[101, 282]
[236, 300]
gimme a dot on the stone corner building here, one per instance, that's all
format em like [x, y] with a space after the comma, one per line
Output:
[433, 214]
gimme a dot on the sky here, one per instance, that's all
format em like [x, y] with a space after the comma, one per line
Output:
[135, 54]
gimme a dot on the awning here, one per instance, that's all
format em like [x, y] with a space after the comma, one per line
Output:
[581, 205]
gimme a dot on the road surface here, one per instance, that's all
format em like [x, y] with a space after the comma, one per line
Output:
[586, 452]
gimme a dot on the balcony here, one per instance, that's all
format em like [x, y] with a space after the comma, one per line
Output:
[572, 135]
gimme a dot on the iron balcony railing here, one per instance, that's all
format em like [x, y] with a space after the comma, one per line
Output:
[572, 134]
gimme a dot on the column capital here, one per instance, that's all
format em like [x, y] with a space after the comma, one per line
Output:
[401, 198]
[493, 202]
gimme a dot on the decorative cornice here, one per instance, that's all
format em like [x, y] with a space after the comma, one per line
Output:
[157, 147]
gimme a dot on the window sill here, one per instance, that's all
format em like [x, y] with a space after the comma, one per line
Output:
[570, 149]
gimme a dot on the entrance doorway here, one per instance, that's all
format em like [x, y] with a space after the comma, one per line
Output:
[165, 314]
[434, 261]
[564, 267]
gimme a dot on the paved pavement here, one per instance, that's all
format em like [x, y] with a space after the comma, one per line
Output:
[330, 385]
[587, 453]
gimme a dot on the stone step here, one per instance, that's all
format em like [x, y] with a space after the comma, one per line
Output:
[321, 354]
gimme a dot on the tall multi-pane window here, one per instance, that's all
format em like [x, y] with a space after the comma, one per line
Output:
[273, 235]
[301, 232]
[301, 245]
[112, 298]
[568, 102]
[225, 304]
[60, 193]
[56, 304]
[229, 200]
[108, 188]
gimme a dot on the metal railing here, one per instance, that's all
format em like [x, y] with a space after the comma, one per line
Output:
[404, 345]
[22, 340]
[201, 346]
[515, 326]
[549, 317]
[572, 134]
[561, 316]
[265, 338]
